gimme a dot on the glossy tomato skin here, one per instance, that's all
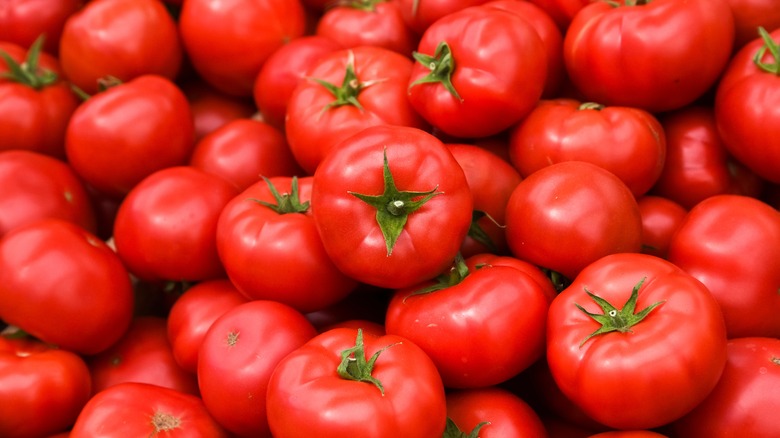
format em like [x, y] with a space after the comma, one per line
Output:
[22, 21]
[37, 186]
[478, 261]
[674, 69]
[232, 375]
[229, 40]
[729, 243]
[46, 386]
[557, 222]
[432, 234]
[750, 380]
[499, 72]
[652, 374]
[278, 256]
[64, 286]
[120, 38]
[305, 386]
[507, 414]
[124, 134]
[749, 15]
[661, 217]
[141, 409]
[628, 142]
[420, 15]
[561, 11]
[166, 226]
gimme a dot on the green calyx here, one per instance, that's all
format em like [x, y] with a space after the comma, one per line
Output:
[285, 202]
[393, 207]
[347, 93]
[361, 5]
[477, 233]
[453, 431]
[774, 49]
[28, 72]
[614, 320]
[441, 65]
[354, 365]
[590, 106]
[455, 275]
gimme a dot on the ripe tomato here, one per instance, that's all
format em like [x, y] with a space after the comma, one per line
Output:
[392, 206]
[635, 341]
[661, 218]
[23, 21]
[494, 412]
[749, 15]
[344, 380]
[479, 261]
[419, 15]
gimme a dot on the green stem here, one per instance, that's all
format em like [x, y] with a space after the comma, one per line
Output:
[354, 365]
[441, 65]
[774, 49]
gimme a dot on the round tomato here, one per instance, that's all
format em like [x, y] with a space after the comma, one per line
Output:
[661, 218]
[493, 412]
[561, 11]
[24, 21]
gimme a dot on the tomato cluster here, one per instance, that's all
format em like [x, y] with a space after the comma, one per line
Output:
[389, 218]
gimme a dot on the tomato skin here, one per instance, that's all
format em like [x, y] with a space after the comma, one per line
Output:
[232, 376]
[674, 70]
[750, 380]
[212, 108]
[46, 267]
[166, 226]
[36, 186]
[659, 370]
[122, 135]
[47, 388]
[229, 40]
[432, 235]
[602, 217]
[748, 15]
[561, 11]
[706, 246]
[305, 385]
[661, 218]
[476, 261]
[22, 21]
[421, 15]
[508, 415]
[125, 410]
[121, 38]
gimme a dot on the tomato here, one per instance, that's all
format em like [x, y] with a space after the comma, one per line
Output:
[63, 285]
[36, 102]
[635, 341]
[745, 106]
[42, 388]
[628, 142]
[478, 71]
[344, 380]
[120, 38]
[392, 206]
[555, 221]
[419, 15]
[561, 11]
[750, 382]
[749, 15]
[346, 91]
[141, 409]
[37, 186]
[228, 41]
[661, 217]
[283, 70]
[480, 327]
[122, 135]
[192, 314]
[479, 261]
[244, 150]
[729, 243]
[494, 412]
[166, 226]
[212, 108]
[232, 375]
[675, 68]
[23, 21]
[697, 164]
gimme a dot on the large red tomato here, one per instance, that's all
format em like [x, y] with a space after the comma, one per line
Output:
[492, 411]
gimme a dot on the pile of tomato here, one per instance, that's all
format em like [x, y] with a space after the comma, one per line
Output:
[389, 218]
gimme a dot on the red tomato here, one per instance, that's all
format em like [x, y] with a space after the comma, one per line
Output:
[419, 15]
[212, 108]
[23, 21]
[661, 218]
[232, 373]
[675, 68]
[140, 409]
[166, 226]
[478, 261]
[192, 314]
[744, 401]
[228, 41]
[745, 106]
[628, 142]
[37, 186]
[479, 71]
[494, 412]
[242, 151]
[346, 91]
[42, 388]
[120, 38]
[561, 11]
[456, 321]
[749, 15]
[556, 221]
[729, 243]
[63, 285]
[697, 164]
[392, 206]
[122, 135]
[345, 380]
[635, 341]
[36, 103]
